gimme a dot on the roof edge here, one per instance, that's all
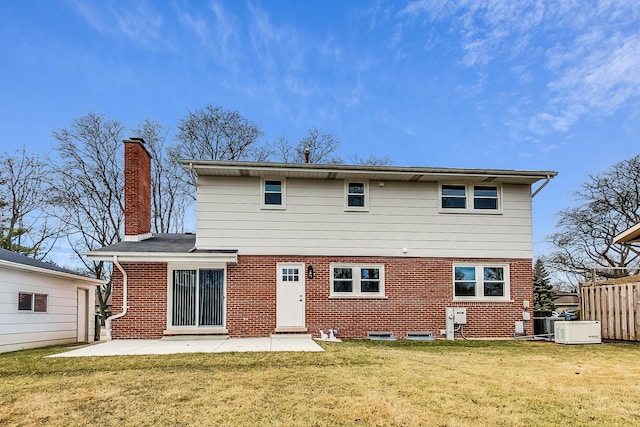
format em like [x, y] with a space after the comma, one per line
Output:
[26, 267]
[630, 235]
[229, 256]
[311, 167]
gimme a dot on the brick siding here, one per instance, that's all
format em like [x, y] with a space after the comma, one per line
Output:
[417, 289]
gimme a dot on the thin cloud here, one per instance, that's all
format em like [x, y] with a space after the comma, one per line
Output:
[140, 24]
[591, 54]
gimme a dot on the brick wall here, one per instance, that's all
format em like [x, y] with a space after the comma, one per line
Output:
[146, 298]
[418, 290]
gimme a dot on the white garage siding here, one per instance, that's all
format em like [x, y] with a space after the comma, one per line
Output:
[58, 325]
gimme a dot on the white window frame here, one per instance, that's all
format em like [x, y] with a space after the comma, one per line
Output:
[356, 279]
[283, 192]
[469, 191]
[365, 194]
[33, 302]
[171, 267]
[479, 280]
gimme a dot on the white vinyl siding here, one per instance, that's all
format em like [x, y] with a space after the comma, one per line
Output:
[20, 329]
[400, 215]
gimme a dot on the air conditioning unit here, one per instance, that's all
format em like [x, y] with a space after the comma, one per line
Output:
[578, 332]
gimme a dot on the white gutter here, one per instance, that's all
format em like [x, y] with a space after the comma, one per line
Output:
[124, 298]
[546, 181]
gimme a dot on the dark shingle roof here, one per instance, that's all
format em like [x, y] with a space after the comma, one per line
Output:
[160, 243]
[16, 258]
[175, 243]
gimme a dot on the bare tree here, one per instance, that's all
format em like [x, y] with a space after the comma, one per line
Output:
[372, 160]
[87, 189]
[214, 133]
[25, 228]
[610, 204]
[321, 149]
[169, 193]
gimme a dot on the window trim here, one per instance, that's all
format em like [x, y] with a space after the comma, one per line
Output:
[33, 306]
[171, 267]
[365, 193]
[356, 278]
[479, 272]
[469, 191]
[283, 192]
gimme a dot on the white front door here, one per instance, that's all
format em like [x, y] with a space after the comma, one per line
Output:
[290, 296]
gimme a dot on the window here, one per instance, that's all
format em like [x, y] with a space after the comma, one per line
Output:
[353, 280]
[290, 274]
[481, 282]
[454, 197]
[356, 193]
[273, 194]
[485, 197]
[32, 302]
[463, 198]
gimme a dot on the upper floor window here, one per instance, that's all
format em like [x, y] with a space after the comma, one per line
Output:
[32, 302]
[356, 280]
[273, 193]
[356, 194]
[480, 282]
[454, 197]
[485, 197]
[466, 198]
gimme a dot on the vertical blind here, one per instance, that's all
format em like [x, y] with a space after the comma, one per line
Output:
[206, 305]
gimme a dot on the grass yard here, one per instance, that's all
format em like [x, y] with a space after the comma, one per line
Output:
[353, 383]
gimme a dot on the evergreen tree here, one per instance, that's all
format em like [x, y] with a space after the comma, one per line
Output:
[542, 290]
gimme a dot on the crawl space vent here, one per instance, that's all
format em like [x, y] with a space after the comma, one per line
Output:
[420, 336]
[381, 336]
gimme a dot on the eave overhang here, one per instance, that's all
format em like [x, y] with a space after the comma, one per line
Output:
[205, 256]
[372, 173]
[33, 269]
[631, 235]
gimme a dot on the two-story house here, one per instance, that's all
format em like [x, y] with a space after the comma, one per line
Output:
[308, 247]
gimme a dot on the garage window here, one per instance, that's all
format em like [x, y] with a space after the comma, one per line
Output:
[36, 303]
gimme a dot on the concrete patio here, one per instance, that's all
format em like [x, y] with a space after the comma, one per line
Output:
[164, 346]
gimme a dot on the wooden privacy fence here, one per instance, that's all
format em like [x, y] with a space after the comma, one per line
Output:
[615, 305]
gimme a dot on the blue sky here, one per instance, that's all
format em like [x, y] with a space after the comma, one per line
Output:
[481, 84]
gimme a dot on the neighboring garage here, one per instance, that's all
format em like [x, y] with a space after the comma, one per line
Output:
[42, 304]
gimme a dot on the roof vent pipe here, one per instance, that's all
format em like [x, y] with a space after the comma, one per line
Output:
[307, 151]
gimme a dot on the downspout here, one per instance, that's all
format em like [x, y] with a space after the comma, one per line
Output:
[541, 187]
[124, 298]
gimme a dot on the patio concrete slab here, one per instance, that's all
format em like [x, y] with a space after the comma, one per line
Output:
[139, 347]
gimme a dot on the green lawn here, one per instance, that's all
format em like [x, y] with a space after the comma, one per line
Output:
[353, 383]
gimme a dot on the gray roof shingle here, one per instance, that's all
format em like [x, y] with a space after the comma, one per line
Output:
[160, 243]
[17, 258]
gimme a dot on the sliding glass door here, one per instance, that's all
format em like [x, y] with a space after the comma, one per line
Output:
[198, 297]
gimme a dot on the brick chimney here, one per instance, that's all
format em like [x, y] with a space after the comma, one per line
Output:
[137, 191]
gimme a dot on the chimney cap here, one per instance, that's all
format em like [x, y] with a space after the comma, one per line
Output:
[138, 139]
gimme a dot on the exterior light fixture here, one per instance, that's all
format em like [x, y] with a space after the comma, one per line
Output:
[310, 272]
